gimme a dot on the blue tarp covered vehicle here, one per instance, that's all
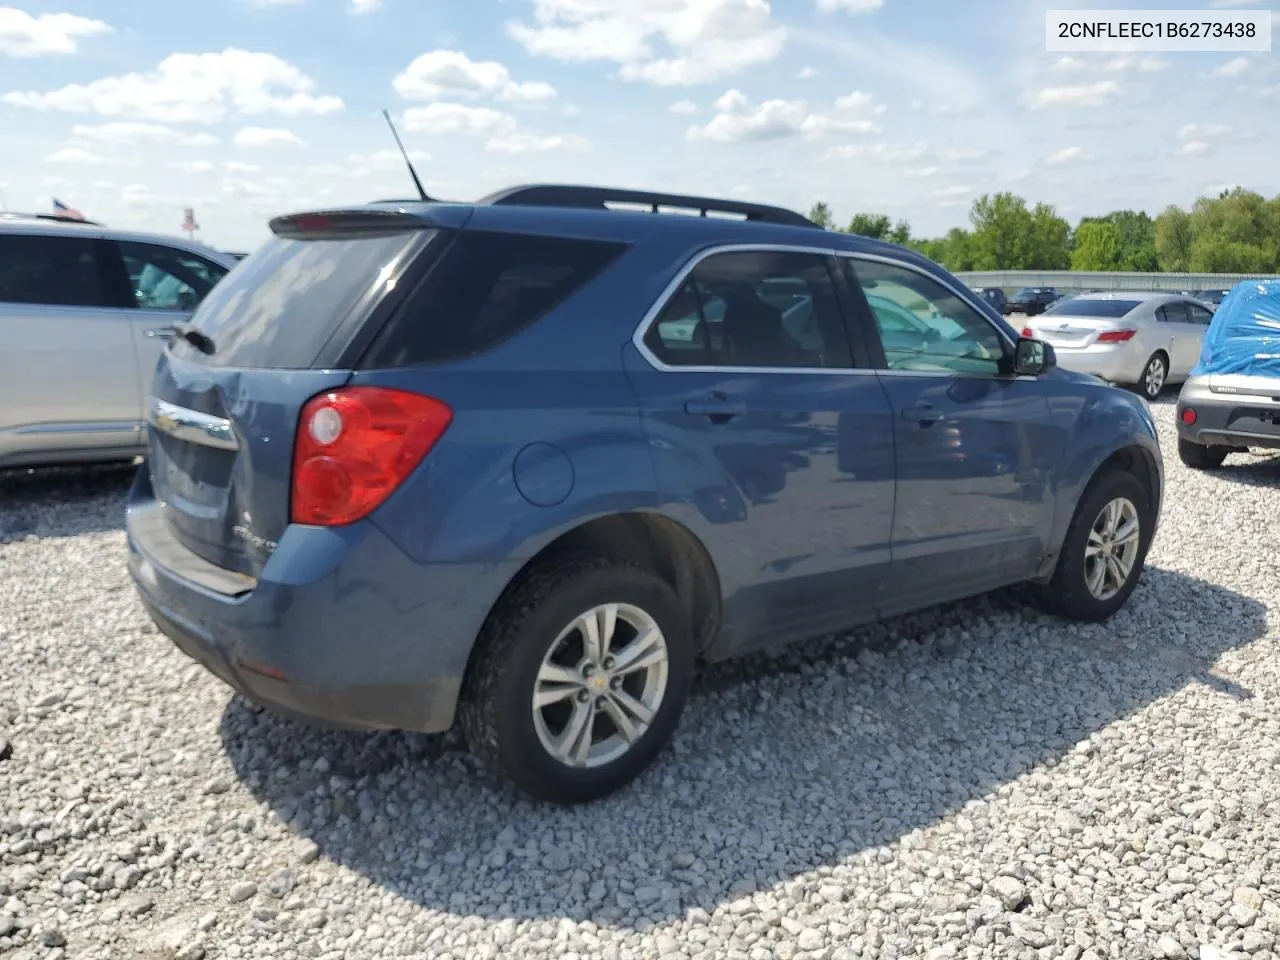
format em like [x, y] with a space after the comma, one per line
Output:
[1232, 400]
[1244, 336]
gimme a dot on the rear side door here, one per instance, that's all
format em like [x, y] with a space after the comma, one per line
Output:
[159, 286]
[68, 375]
[772, 440]
[976, 447]
[1198, 320]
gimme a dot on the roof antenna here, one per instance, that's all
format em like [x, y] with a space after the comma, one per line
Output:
[409, 163]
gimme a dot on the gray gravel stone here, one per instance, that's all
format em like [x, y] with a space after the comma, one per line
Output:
[977, 781]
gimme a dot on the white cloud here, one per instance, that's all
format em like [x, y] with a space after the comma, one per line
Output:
[922, 172]
[502, 132]
[236, 166]
[382, 161]
[806, 73]
[192, 88]
[850, 6]
[136, 133]
[1198, 131]
[450, 73]
[889, 153]
[703, 40]
[1068, 156]
[363, 6]
[1116, 64]
[193, 166]
[75, 155]
[1194, 148]
[22, 35]
[953, 191]
[684, 108]
[266, 137]
[1232, 68]
[1085, 95]
[737, 122]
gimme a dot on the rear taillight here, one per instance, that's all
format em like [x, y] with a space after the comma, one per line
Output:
[355, 445]
[1116, 336]
[1026, 332]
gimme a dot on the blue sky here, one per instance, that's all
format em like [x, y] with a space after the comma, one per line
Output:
[244, 109]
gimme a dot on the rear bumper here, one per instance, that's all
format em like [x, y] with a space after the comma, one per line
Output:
[341, 627]
[1226, 420]
[1115, 363]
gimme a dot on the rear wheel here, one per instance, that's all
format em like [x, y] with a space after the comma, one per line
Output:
[579, 680]
[1197, 456]
[1154, 376]
[1104, 550]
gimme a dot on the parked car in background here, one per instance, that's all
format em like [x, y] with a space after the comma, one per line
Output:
[1232, 400]
[1031, 300]
[85, 311]
[402, 476]
[994, 296]
[1146, 340]
[1210, 296]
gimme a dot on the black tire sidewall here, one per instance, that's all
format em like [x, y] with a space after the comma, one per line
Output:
[1069, 592]
[1199, 457]
[522, 755]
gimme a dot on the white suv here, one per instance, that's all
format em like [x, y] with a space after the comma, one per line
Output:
[84, 315]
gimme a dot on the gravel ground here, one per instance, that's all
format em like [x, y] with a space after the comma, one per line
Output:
[976, 781]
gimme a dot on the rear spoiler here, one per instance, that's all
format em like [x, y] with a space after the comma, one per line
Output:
[347, 224]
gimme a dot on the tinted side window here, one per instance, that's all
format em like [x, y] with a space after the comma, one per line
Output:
[485, 288]
[753, 309]
[924, 326]
[1199, 314]
[164, 278]
[52, 271]
[1173, 312]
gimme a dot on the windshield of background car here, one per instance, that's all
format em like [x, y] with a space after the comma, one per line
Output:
[1026, 293]
[1089, 307]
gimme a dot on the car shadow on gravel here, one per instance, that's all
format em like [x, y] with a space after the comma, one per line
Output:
[63, 501]
[784, 764]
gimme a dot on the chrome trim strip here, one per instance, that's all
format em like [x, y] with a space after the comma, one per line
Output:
[637, 337]
[191, 425]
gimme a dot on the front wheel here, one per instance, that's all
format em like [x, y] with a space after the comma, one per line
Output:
[580, 680]
[1199, 457]
[1104, 550]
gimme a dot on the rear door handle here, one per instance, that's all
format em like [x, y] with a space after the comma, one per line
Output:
[922, 413]
[715, 409]
[160, 333]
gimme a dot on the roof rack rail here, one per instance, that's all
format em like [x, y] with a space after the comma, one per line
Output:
[600, 198]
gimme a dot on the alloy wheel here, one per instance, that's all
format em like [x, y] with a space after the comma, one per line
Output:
[1154, 376]
[1112, 550]
[600, 685]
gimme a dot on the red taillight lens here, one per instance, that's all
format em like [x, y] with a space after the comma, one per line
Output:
[1116, 336]
[1188, 416]
[1026, 332]
[355, 445]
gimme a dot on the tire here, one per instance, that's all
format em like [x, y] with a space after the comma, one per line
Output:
[1155, 376]
[1199, 457]
[1068, 593]
[497, 711]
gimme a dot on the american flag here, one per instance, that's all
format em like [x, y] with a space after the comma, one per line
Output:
[62, 210]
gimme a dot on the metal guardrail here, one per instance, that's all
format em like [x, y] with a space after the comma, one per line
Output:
[1073, 280]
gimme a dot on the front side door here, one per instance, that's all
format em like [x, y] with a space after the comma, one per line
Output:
[975, 447]
[770, 441]
[68, 376]
[159, 286]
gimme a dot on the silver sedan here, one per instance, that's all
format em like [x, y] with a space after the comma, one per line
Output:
[1145, 340]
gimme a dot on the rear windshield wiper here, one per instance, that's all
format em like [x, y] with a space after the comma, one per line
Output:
[200, 341]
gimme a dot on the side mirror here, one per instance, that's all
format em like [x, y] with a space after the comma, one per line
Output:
[1032, 357]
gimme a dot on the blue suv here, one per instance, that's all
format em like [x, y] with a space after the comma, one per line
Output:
[520, 465]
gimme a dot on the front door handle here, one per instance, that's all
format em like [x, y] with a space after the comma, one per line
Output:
[718, 410]
[922, 413]
[161, 333]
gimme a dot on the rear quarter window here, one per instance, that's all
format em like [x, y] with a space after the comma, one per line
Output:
[281, 305]
[483, 289]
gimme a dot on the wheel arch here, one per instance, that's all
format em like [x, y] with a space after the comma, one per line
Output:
[651, 540]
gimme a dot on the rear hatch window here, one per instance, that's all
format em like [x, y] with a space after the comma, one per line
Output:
[280, 307]
[1084, 307]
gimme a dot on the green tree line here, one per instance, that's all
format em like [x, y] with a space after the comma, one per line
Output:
[1236, 232]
